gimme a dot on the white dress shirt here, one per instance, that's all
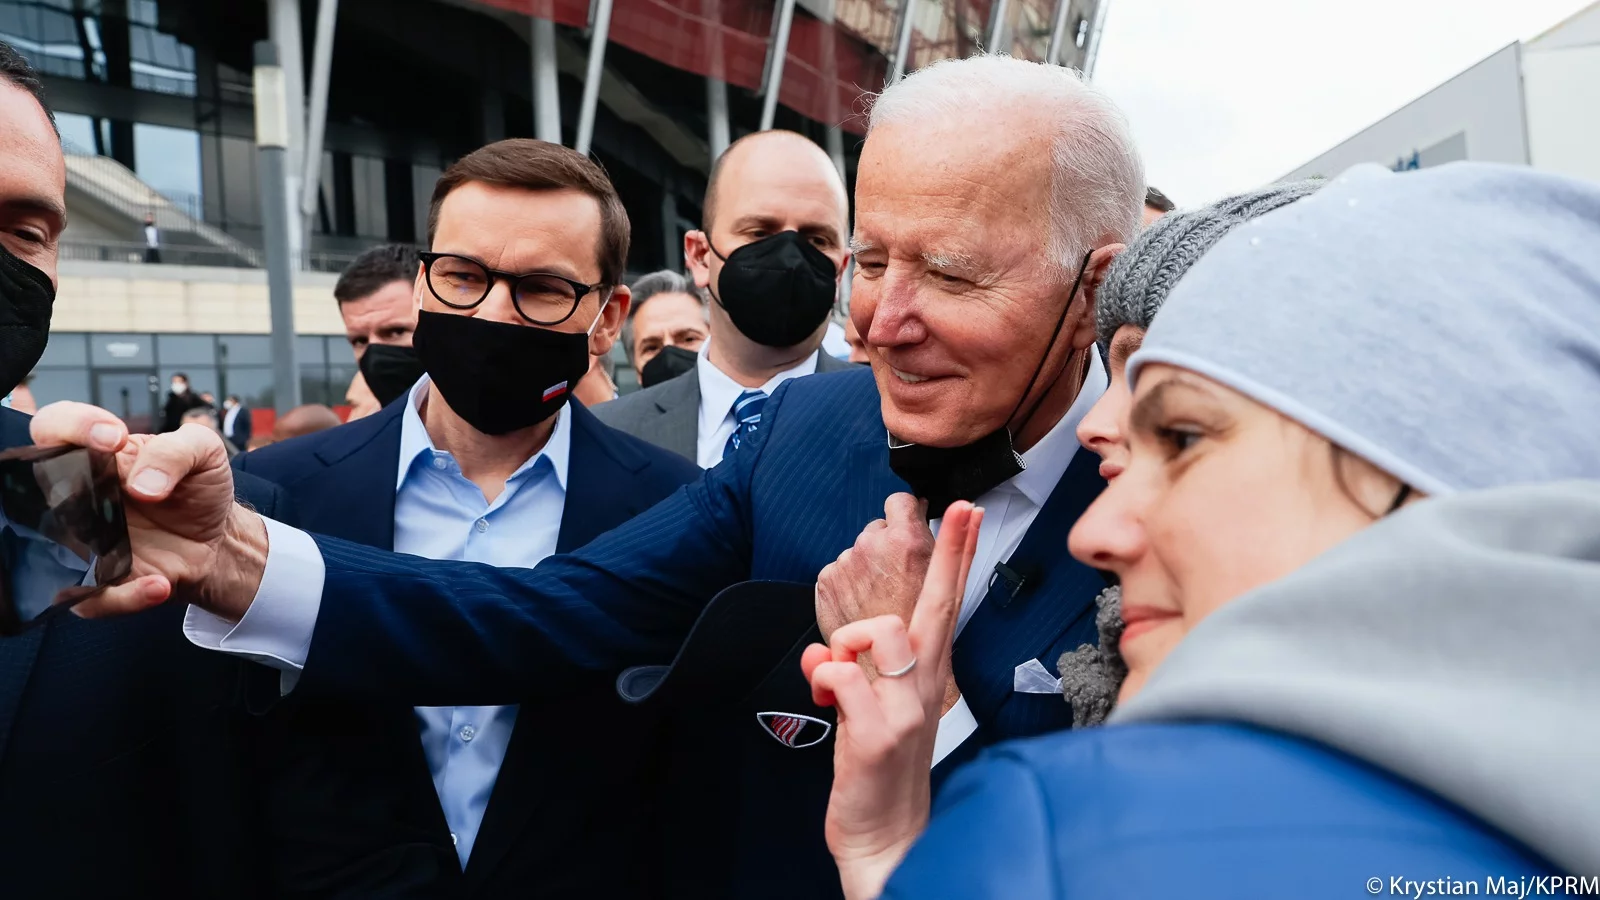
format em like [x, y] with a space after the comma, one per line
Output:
[1008, 510]
[228, 419]
[439, 514]
[717, 395]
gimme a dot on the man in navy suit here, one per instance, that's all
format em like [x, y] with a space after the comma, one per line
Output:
[977, 258]
[476, 463]
[124, 766]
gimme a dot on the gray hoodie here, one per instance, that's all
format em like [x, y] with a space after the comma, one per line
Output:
[1455, 644]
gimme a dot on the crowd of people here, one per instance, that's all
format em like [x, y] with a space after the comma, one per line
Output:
[1231, 551]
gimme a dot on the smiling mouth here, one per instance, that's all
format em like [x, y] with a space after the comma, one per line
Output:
[907, 377]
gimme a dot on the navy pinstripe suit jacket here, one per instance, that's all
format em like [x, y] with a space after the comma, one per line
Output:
[425, 632]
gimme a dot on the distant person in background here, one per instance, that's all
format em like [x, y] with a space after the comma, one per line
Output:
[180, 399]
[360, 399]
[236, 424]
[303, 420]
[380, 313]
[858, 347]
[1156, 205]
[152, 240]
[206, 416]
[662, 340]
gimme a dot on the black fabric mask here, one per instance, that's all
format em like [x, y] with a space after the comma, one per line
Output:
[26, 300]
[390, 371]
[667, 365]
[778, 290]
[943, 475]
[496, 376]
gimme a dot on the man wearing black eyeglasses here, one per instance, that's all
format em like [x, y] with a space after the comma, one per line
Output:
[489, 459]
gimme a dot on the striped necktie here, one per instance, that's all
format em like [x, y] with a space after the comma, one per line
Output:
[746, 415]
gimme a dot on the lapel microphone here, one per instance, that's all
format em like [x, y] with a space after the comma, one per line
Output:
[1015, 582]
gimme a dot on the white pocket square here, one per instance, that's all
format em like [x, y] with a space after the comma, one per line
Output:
[1033, 678]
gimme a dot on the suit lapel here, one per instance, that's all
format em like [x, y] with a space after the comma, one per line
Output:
[600, 471]
[353, 497]
[677, 426]
[1058, 591]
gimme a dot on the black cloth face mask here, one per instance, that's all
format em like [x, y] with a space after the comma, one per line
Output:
[778, 290]
[943, 475]
[26, 300]
[496, 376]
[667, 365]
[390, 371]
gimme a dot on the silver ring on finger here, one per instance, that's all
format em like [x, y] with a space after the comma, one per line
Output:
[902, 671]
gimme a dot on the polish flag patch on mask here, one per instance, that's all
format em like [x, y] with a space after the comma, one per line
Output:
[554, 391]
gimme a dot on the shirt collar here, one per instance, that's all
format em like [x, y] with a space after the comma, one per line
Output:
[415, 441]
[718, 391]
[1047, 460]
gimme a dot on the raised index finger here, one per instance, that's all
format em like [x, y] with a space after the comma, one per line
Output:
[79, 425]
[934, 618]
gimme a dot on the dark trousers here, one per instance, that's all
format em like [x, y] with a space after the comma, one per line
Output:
[152, 254]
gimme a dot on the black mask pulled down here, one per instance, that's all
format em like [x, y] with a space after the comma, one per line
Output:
[943, 475]
[496, 376]
[667, 365]
[390, 371]
[26, 299]
[778, 290]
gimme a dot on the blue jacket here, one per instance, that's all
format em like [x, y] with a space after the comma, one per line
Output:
[423, 632]
[351, 804]
[1193, 811]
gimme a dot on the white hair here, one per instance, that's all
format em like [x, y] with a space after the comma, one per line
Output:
[1097, 183]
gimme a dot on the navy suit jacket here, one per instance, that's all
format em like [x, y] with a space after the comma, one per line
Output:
[787, 503]
[352, 806]
[124, 766]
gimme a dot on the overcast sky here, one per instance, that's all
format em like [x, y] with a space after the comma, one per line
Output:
[1225, 95]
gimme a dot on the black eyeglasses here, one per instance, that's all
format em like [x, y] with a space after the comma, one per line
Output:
[542, 298]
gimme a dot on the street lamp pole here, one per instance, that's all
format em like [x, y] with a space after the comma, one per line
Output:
[272, 150]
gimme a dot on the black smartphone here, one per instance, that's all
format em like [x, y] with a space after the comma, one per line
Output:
[70, 496]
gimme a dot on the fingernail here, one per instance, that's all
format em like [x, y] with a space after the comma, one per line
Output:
[104, 436]
[150, 482]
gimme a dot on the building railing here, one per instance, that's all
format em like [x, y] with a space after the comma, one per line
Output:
[197, 255]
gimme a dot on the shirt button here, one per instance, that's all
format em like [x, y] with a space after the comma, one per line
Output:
[439, 463]
[482, 525]
[468, 733]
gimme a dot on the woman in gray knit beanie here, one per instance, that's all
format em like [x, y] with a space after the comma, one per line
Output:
[1133, 291]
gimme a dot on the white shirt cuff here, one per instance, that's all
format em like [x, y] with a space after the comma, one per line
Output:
[276, 629]
[955, 727]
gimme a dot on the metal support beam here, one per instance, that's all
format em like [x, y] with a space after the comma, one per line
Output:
[902, 42]
[671, 240]
[316, 125]
[284, 24]
[1058, 32]
[546, 98]
[777, 53]
[1091, 47]
[717, 116]
[600, 23]
[273, 127]
[997, 27]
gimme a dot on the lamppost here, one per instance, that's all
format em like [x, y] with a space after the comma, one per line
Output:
[272, 150]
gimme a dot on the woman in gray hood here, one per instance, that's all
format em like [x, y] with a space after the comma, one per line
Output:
[1358, 538]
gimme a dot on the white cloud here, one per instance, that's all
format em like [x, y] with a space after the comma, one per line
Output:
[1224, 95]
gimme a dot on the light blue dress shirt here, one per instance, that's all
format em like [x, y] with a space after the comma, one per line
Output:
[439, 514]
[38, 568]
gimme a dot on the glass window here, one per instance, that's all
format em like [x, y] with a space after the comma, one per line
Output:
[252, 385]
[202, 380]
[51, 385]
[309, 350]
[186, 349]
[339, 351]
[339, 378]
[168, 159]
[65, 349]
[77, 133]
[122, 350]
[244, 349]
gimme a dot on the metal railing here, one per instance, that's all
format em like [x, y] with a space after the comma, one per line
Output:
[197, 255]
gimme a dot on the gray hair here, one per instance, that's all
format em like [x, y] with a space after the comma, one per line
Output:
[1097, 184]
[1139, 279]
[665, 281]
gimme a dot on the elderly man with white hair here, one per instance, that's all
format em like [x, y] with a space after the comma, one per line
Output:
[992, 194]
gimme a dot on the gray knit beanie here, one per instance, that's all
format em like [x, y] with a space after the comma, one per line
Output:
[1443, 324]
[1142, 275]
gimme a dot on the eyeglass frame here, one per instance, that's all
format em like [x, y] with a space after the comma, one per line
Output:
[579, 289]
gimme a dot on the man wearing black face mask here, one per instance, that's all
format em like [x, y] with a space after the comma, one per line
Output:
[488, 457]
[770, 256]
[118, 742]
[375, 302]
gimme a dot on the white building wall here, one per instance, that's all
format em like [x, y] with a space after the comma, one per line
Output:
[1476, 115]
[1561, 83]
